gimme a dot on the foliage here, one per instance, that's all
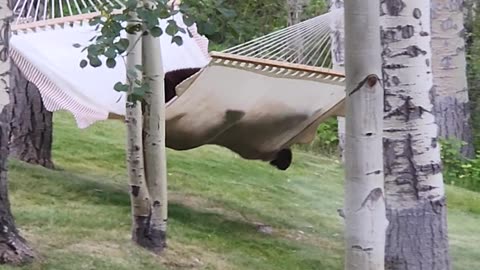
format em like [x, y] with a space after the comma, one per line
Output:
[473, 74]
[315, 8]
[326, 140]
[458, 170]
[136, 17]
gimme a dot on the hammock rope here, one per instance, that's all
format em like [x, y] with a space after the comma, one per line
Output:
[306, 43]
[29, 11]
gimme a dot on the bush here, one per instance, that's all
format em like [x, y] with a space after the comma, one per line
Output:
[458, 170]
[326, 141]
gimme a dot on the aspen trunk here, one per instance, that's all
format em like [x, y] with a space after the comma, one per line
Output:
[154, 140]
[13, 248]
[451, 102]
[365, 220]
[139, 196]
[337, 37]
[295, 10]
[414, 189]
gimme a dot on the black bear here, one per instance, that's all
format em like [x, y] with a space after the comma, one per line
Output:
[283, 158]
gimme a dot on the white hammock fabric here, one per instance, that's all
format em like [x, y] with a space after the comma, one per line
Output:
[250, 99]
[49, 59]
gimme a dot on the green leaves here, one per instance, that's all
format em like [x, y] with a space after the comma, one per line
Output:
[172, 28]
[156, 31]
[83, 63]
[111, 63]
[120, 87]
[122, 45]
[178, 40]
[110, 43]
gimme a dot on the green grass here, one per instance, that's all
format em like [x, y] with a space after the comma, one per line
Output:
[78, 217]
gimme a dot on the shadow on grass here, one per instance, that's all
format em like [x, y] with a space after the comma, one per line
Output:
[66, 186]
[216, 231]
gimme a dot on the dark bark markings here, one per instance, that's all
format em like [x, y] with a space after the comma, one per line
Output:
[416, 235]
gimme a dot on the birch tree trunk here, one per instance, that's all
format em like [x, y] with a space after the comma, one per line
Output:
[337, 37]
[365, 220]
[13, 248]
[416, 209]
[154, 140]
[139, 195]
[295, 10]
[31, 136]
[451, 102]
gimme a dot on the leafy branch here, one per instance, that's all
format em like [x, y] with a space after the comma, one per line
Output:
[108, 43]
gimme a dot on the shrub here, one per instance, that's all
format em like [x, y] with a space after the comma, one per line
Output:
[458, 170]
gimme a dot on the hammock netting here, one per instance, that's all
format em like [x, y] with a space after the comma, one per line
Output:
[255, 99]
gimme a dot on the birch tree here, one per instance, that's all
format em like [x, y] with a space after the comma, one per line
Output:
[145, 112]
[415, 195]
[365, 220]
[295, 10]
[154, 137]
[337, 37]
[451, 102]
[13, 248]
[145, 121]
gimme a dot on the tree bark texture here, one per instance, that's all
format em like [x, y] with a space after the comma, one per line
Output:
[451, 102]
[140, 199]
[32, 127]
[337, 52]
[154, 140]
[31, 135]
[13, 248]
[414, 189]
[365, 217]
[295, 10]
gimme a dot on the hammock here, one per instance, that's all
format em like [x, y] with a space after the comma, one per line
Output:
[255, 99]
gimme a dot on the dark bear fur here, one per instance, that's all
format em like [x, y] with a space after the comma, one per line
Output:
[283, 159]
[173, 78]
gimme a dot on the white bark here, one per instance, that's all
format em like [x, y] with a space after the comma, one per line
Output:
[337, 51]
[5, 16]
[365, 220]
[154, 133]
[417, 233]
[451, 102]
[295, 10]
[135, 161]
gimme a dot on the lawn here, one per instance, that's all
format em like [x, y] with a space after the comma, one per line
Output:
[225, 212]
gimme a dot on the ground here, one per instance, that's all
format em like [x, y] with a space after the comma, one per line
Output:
[78, 217]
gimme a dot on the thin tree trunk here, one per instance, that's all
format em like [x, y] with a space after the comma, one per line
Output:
[337, 37]
[139, 196]
[365, 220]
[417, 233]
[451, 102]
[31, 136]
[295, 10]
[154, 140]
[13, 248]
